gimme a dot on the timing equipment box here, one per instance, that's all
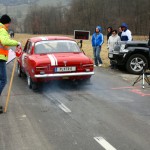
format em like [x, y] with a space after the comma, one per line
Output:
[81, 34]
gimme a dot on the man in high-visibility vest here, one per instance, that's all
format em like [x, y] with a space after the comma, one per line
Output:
[5, 42]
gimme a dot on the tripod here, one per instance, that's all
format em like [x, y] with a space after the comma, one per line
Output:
[143, 76]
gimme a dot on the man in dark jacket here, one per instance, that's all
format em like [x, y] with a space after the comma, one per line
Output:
[149, 41]
[109, 32]
[149, 45]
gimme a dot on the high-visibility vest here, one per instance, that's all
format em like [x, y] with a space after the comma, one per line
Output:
[3, 49]
[3, 52]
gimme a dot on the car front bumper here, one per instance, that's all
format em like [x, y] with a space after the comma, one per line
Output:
[63, 75]
[119, 59]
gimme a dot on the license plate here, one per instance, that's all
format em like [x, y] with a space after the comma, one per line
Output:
[110, 55]
[65, 69]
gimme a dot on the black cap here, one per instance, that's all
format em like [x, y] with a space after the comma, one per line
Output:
[5, 19]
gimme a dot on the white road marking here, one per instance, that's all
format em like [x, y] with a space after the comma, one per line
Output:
[64, 108]
[104, 143]
[23, 116]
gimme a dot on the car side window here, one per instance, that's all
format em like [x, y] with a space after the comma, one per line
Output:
[25, 48]
[28, 47]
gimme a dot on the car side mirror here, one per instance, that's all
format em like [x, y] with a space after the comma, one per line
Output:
[80, 44]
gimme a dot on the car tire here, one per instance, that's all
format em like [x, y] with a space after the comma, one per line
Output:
[88, 80]
[135, 63]
[32, 85]
[29, 82]
[85, 81]
[19, 72]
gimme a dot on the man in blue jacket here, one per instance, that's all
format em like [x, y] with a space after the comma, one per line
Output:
[97, 41]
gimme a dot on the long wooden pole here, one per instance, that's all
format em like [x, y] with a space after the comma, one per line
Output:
[10, 85]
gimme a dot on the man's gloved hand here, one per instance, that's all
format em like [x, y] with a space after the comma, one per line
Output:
[19, 44]
[18, 50]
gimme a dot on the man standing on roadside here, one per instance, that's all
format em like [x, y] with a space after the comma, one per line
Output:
[113, 40]
[149, 41]
[126, 33]
[97, 41]
[149, 45]
[5, 42]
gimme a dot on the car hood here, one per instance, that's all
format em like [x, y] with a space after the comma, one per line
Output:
[133, 42]
[61, 59]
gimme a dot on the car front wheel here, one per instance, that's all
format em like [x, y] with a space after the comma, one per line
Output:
[136, 63]
[29, 81]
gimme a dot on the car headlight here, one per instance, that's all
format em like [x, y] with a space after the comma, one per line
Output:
[122, 48]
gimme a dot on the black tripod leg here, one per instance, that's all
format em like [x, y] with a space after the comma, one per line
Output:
[143, 78]
[147, 79]
[137, 80]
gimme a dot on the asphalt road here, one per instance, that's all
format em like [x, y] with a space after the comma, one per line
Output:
[106, 114]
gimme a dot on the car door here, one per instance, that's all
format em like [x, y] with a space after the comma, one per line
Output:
[25, 56]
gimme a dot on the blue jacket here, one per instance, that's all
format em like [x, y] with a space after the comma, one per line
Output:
[97, 38]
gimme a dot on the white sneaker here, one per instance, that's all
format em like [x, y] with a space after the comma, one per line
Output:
[94, 65]
[100, 65]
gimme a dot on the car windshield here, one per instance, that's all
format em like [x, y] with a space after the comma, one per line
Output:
[56, 46]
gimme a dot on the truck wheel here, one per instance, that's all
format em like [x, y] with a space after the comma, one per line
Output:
[135, 63]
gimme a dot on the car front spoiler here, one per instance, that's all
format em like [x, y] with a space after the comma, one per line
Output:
[63, 75]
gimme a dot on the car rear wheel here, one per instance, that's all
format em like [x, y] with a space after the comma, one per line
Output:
[19, 72]
[136, 63]
[86, 81]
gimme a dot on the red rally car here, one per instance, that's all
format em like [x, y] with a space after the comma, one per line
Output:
[53, 58]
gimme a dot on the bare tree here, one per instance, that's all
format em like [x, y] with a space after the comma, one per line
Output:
[86, 14]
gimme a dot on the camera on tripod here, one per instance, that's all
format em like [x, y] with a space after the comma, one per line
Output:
[143, 76]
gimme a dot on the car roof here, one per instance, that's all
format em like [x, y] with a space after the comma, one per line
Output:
[48, 38]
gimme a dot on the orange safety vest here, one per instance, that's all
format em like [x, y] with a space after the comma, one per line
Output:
[4, 50]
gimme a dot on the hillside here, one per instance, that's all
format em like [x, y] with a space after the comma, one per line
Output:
[19, 8]
[40, 2]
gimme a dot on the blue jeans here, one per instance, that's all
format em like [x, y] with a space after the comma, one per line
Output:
[96, 53]
[3, 76]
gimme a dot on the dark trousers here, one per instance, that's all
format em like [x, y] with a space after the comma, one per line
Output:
[3, 76]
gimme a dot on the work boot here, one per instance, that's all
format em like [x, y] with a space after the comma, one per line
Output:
[1, 109]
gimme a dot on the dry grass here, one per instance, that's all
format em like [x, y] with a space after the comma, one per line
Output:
[86, 46]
